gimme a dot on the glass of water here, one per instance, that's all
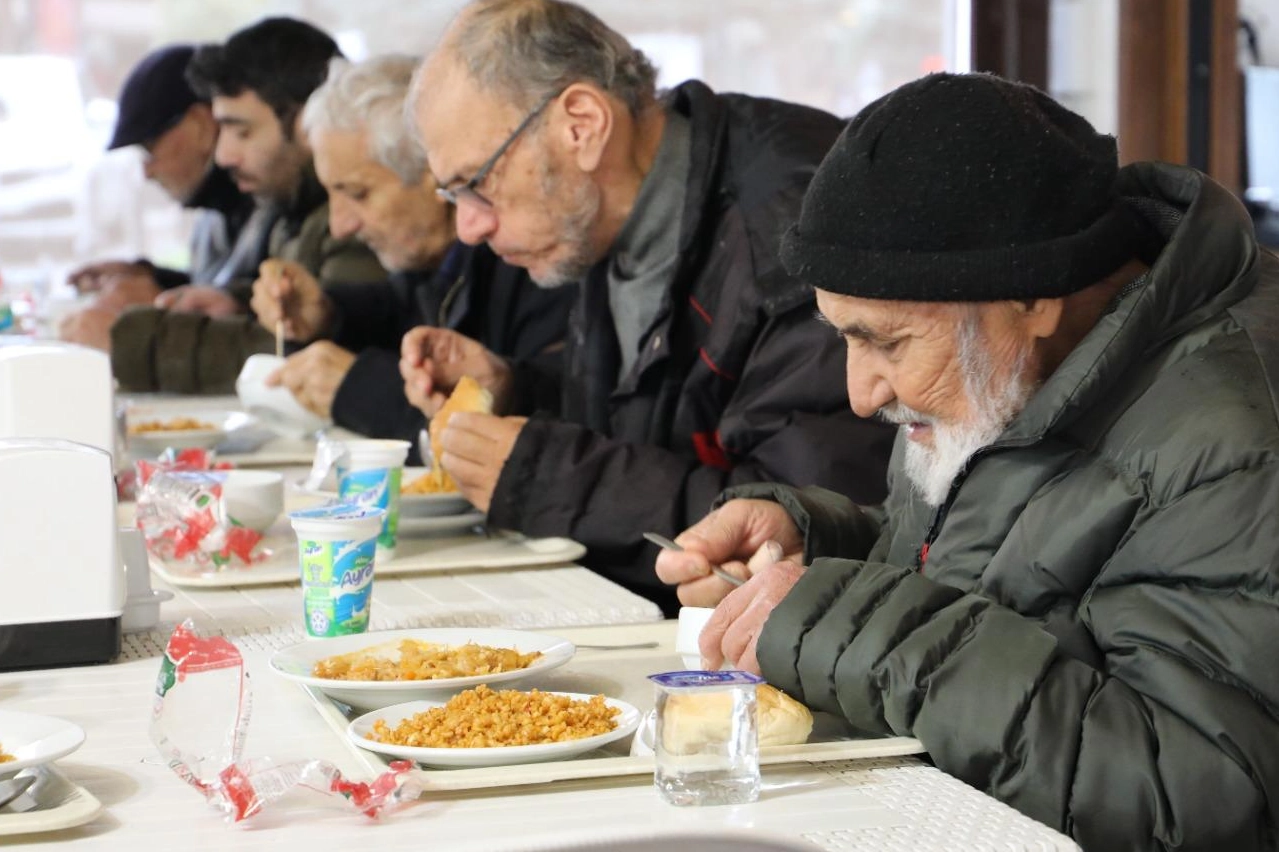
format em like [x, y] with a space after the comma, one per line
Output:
[706, 737]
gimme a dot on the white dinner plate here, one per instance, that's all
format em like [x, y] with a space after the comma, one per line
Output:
[439, 524]
[360, 729]
[297, 661]
[411, 505]
[155, 442]
[35, 739]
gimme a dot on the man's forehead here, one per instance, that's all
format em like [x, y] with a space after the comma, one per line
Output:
[458, 124]
[341, 155]
[246, 106]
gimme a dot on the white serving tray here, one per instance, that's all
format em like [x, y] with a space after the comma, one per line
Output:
[77, 808]
[413, 556]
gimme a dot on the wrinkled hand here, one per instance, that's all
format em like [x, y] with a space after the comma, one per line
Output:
[199, 299]
[285, 291]
[91, 277]
[89, 326]
[433, 360]
[314, 375]
[476, 446]
[730, 537]
[732, 633]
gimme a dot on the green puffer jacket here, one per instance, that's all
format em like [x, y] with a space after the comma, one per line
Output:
[1089, 637]
[189, 353]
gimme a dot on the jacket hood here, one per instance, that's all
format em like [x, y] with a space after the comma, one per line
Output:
[1208, 239]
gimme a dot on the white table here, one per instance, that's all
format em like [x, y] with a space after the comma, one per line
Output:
[898, 803]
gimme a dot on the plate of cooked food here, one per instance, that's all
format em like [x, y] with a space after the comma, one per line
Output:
[487, 727]
[153, 433]
[29, 739]
[421, 495]
[370, 671]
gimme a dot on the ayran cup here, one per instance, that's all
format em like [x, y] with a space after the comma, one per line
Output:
[369, 473]
[336, 555]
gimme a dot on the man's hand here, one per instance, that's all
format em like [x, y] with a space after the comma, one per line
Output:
[314, 375]
[199, 299]
[729, 537]
[732, 633]
[433, 360]
[89, 326]
[476, 446]
[121, 290]
[286, 292]
[92, 277]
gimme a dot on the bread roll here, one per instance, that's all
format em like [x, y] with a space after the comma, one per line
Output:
[691, 719]
[466, 396]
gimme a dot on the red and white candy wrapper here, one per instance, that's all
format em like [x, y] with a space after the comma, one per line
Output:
[127, 482]
[181, 516]
[199, 722]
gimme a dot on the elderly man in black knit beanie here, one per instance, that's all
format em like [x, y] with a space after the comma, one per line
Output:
[1071, 594]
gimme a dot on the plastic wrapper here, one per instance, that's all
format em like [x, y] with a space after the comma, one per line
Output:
[127, 482]
[199, 722]
[182, 519]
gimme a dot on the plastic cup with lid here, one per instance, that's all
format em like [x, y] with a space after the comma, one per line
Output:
[369, 473]
[337, 548]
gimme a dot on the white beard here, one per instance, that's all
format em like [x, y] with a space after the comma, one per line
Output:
[932, 469]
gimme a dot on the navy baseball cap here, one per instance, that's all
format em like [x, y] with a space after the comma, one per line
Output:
[155, 97]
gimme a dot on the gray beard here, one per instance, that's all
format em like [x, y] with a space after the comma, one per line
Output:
[932, 469]
[582, 207]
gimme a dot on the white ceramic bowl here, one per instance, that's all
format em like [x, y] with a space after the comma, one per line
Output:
[253, 498]
[156, 441]
[274, 406]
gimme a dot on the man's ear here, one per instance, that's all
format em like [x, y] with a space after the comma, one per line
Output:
[1042, 317]
[585, 124]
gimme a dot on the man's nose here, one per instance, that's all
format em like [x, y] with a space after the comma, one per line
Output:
[868, 390]
[475, 222]
[342, 219]
[226, 154]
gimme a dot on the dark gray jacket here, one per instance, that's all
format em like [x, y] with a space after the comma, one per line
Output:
[1085, 629]
[736, 381]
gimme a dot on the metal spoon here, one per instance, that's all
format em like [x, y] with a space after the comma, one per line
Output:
[662, 541]
[14, 787]
[632, 646]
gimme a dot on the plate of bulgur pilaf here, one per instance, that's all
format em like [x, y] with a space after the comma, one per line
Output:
[485, 727]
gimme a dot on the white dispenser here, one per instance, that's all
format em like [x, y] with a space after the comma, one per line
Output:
[57, 390]
[63, 580]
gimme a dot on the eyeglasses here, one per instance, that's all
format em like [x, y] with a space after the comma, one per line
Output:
[466, 190]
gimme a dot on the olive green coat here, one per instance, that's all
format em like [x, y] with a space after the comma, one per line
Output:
[155, 350]
[1092, 635]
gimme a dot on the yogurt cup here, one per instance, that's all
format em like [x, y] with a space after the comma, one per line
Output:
[336, 551]
[369, 474]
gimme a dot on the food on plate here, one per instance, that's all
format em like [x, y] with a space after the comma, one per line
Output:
[419, 660]
[177, 424]
[432, 482]
[466, 396]
[5, 757]
[693, 718]
[482, 718]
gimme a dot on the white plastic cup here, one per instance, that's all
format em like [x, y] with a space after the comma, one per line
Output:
[252, 498]
[369, 473]
[337, 547]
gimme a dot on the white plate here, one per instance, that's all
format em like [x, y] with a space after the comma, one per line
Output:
[34, 739]
[359, 730]
[439, 524]
[296, 663]
[411, 505]
[156, 442]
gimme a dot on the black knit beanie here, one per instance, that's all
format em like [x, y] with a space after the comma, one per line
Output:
[963, 188]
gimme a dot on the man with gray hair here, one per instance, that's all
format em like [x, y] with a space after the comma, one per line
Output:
[1069, 596]
[381, 194]
[682, 371]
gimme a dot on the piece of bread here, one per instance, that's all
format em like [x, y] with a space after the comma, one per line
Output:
[466, 396]
[691, 719]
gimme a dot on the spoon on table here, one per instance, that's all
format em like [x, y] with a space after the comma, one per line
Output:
[14, 787]
[664, 542]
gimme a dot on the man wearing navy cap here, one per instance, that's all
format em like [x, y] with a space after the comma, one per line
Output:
[160, 112]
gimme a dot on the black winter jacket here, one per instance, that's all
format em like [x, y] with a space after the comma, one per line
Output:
[472, 292]
[737, 382]
[1086, 628]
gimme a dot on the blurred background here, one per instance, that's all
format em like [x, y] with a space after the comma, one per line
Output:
[1154, 72]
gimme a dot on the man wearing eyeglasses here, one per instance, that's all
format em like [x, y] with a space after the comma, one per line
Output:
[693, 361]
